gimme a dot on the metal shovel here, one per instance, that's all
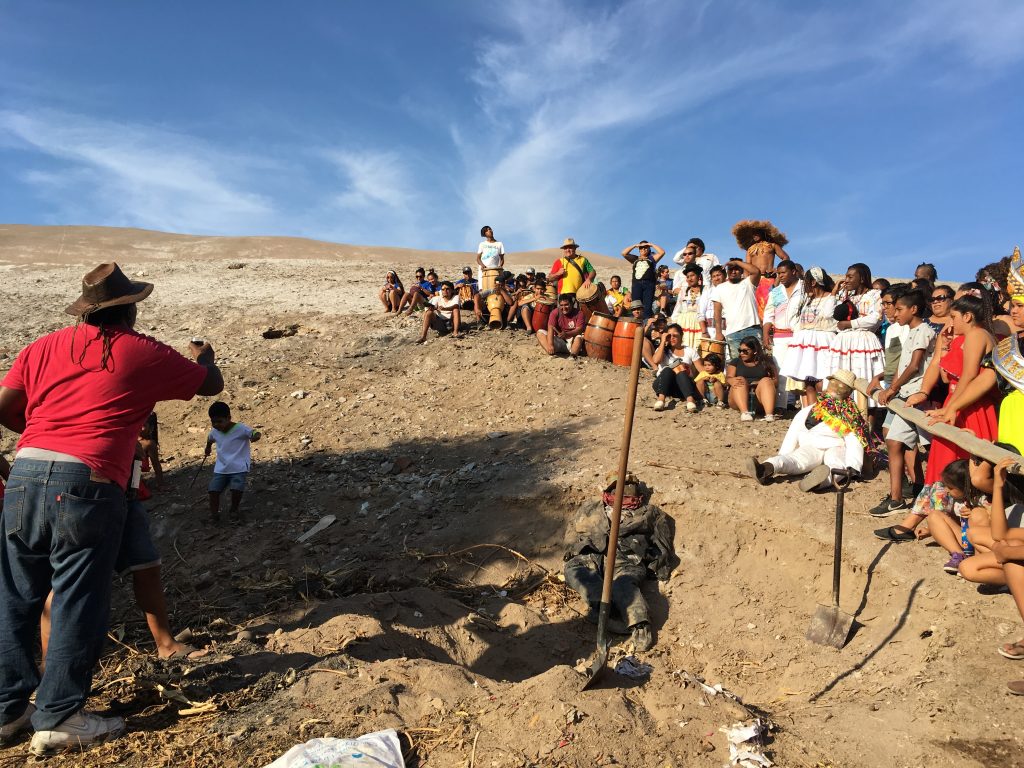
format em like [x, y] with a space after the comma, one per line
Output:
[830, 625]
[599, 659]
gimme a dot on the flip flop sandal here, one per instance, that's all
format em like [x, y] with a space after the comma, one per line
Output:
[1016, 687]
[185, 654]
[1013, 651]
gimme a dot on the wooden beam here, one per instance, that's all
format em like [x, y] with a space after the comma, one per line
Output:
[968, 441]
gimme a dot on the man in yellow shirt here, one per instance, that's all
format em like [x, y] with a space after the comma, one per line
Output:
[572, 269]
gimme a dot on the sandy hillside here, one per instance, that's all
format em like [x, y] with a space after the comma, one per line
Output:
[432, 604]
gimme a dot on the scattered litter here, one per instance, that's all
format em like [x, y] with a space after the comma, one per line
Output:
[746, 742]
[710, 690]
[325, 521]
[631, 666]
[380, 749]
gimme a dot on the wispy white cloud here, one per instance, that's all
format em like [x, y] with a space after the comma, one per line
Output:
[135, 175]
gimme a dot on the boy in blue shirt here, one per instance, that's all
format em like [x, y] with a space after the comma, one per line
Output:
[234, 456]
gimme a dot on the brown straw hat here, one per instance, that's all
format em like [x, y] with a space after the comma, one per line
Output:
[744, 231]
[107, 286]
[568, 243]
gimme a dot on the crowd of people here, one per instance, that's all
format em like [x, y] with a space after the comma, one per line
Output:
[763, 335]
[758, 334]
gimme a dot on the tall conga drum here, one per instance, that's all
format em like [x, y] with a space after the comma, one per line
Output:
[598, 335]
[622, 341]
[551, 293]
[541, 312]
[489, 279]
[591, 299]
[495, 309]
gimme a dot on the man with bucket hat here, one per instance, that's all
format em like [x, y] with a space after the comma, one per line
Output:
[829, 436]
[79, 397]
[571, 270]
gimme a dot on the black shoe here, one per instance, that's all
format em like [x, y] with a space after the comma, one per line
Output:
[907, 488]
[896, 534]
[993, 589]
[760, 472]
[888, 507]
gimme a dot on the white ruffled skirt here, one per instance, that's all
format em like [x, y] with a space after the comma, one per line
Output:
[858, 351]
[809, 356]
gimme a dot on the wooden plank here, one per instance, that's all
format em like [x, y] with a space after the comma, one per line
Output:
[968, 441]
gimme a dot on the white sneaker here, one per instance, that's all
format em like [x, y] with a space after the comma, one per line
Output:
[691, 407]
[770, 417]
[659, 405]
[80, 730]
[746, 416]
[12, 729]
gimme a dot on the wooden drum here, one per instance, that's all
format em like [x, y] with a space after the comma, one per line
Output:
[622, 341]
[591, 299]
[495, 308]
[489, 279]
[597, 338]
[541, 312]
[709, 345]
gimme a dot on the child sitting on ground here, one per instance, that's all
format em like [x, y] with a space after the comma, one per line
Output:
[950, 529]
[234, 457]
[710, 380]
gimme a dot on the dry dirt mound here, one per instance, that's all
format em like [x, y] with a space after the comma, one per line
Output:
[433, 601]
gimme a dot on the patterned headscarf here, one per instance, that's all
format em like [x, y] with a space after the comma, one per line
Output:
[844, 417]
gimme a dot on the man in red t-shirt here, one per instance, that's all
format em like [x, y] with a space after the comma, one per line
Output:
[564, 334]
[79, 397]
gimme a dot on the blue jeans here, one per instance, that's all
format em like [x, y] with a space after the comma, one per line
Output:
[642, 290]
[733, 340]
[61, 532]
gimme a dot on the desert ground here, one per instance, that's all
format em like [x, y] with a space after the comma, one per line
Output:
[433, 603]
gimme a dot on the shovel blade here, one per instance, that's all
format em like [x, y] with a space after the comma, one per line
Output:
[594, 666]
[830, 626]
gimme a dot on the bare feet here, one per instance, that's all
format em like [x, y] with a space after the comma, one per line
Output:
[180, 651]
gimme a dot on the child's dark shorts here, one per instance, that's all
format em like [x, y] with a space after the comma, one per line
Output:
[234, 482]
[137, 551]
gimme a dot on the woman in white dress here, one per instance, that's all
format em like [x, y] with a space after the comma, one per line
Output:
[809, 357]
[856, 346]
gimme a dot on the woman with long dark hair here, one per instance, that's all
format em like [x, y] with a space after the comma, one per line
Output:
[856, 346]
[809, 359]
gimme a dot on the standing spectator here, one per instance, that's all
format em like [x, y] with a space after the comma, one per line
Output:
[490, 254]
[780, 317]
[79, 397]
[571, 270]
[644, 275]
[689, 289]
[858, 317]
[693, 253]
[762, 241]
[928, 272]
[809, 356]
[735, 305]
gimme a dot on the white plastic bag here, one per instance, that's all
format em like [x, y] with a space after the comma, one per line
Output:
[374, 750]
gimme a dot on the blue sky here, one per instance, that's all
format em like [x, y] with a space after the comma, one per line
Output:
[876, 131]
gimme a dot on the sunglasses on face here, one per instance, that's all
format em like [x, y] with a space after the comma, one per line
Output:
[937, 299]
[745, 351]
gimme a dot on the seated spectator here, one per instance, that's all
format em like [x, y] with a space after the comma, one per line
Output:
[391, 292]
[617, 299]
[468, 290]
[418, 284]
[752, 373]
[564, 334]
[523, 298]
[710, 381]
[676, 368]
[947, 526]
[422, 292]
[654, 328]
[1006, 494]
[442, 313]
[829, 436]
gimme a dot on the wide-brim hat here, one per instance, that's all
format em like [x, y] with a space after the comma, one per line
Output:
[107, 286]
[636, 304]
[569, 243]
[744, 231]
[844, 377]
